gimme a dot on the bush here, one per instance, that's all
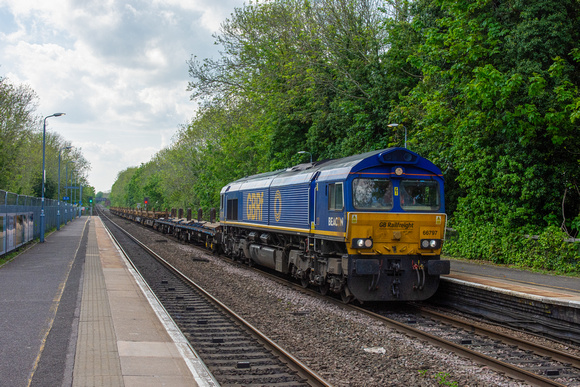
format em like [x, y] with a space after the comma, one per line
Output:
[546, 251]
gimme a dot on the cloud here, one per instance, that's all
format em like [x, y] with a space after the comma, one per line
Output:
[118, 69]
[108, 159]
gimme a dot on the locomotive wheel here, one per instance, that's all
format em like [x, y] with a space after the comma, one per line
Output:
[323, 289]
[304, 282]
[346, 295]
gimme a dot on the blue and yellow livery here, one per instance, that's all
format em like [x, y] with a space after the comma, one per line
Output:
[368, 226]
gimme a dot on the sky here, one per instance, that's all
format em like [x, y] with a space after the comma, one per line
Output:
[118, 69]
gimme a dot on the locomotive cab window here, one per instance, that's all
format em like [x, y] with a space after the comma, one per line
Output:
[232, 211]
[372, 194]
[420, 195]
[335, 201]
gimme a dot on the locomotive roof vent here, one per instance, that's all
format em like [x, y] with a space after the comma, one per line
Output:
[300, 167]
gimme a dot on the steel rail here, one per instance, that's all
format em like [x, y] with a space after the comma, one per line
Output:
[474, 327]
[498, 365]
[294, 363]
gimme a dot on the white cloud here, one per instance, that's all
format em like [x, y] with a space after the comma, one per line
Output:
[118, 69]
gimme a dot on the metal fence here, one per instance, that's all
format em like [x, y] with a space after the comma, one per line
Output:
[20, 218]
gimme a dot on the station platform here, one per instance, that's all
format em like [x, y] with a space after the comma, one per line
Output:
[545, 304]
[545, 288]
[73, 312]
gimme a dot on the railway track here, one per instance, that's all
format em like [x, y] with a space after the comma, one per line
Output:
[518, 359]
[510, 355]
[233, 350]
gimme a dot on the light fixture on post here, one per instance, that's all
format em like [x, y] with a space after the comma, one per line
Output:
[42, 220]
[58, 205]
[302, 152]
[395, 125]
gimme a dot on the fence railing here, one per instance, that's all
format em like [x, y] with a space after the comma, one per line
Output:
[20, 218]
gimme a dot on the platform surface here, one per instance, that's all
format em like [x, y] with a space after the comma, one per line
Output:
[73, 312]
[544, 287]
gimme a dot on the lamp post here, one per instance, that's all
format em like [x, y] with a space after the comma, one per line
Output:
[58, 205]
[73, 193]
[394, 126]
[302, 152]
[44, 175]
[67, 185]
[77, 195]
[80, 196]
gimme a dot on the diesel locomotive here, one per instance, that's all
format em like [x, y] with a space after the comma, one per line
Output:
[368, 227]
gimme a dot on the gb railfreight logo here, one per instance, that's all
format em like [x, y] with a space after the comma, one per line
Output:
[403, 225]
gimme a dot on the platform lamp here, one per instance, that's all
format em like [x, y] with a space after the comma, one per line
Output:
[44, 174]
[302, 152]
[394, 126]
[58, 205]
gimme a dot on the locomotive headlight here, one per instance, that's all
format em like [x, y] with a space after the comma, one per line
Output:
[362, 243]
[430, 243]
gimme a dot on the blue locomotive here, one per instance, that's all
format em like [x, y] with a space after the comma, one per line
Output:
[369, 227]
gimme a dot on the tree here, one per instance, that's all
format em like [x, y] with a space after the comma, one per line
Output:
[496, 104]
[17, 118]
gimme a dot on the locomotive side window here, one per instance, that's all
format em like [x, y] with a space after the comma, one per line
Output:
[372, 194]
[335, 201]
[420, 195]
[232, 209]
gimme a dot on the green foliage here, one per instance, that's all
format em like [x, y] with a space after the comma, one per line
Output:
[17, 104]
[441, 378]
[500, 94]
[488, 90]
[548, 251]
[50, 188]
[118, 191]
[21, 141]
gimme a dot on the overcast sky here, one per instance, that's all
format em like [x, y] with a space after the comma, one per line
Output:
[116, 68]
